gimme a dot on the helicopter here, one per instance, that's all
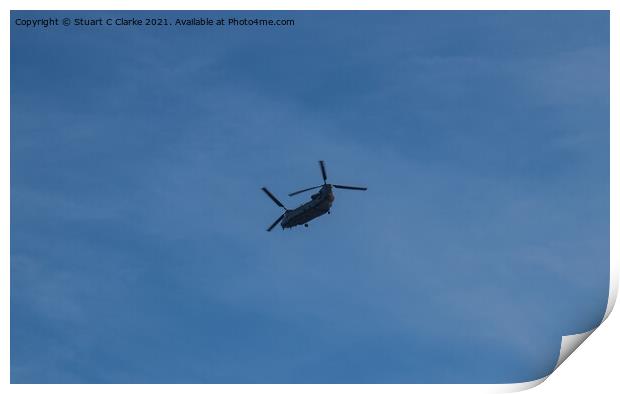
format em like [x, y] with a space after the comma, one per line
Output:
[319, 204]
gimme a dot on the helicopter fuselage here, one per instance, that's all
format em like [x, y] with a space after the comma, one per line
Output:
[319, 204]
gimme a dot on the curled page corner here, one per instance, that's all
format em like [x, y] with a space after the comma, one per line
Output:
[516, 387]
[570, 343]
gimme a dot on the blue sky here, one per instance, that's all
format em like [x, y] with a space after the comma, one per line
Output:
[138, 244]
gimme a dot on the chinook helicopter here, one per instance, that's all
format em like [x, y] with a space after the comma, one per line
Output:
[319, 204]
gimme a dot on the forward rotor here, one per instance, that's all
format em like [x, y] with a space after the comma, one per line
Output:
[278, 203]
[278, 220]
[275, 200]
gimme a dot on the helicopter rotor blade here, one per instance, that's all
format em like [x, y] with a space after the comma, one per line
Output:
[323, 172]
[304, 190]
[349, 187]
[275, 223]
[278, 203]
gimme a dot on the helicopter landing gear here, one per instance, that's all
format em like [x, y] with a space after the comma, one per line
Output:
[305, 224]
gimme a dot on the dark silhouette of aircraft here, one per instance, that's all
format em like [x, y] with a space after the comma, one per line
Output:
[319, 204]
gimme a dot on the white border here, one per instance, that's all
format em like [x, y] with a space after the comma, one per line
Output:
[597, 361]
